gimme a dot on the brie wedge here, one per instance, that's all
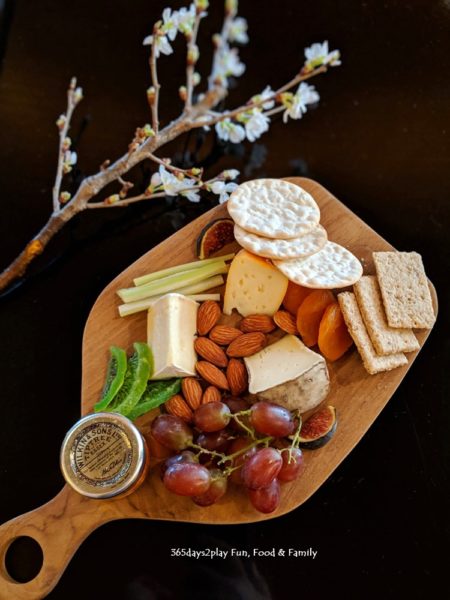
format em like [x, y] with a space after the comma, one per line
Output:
[171, 330]
[288, 373]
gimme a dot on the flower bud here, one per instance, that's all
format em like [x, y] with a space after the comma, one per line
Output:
[61, 122]
[78, 95]
[112, 199]
[151, 92]
[201, 5]
[231, 7]
[148, 131]
[182, 92]
[196, 78]
[193, 54]
[64, 197]
[67, 142]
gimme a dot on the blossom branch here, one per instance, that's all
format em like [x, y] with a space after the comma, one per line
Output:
[251, 121]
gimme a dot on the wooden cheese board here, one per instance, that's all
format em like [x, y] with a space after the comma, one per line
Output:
[62, 524]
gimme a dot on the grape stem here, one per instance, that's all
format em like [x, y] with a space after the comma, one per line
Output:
[295, 439]
[249, 430]
[211, 452]
[231, 457]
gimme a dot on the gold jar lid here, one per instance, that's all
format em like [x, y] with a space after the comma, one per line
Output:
[103, 455]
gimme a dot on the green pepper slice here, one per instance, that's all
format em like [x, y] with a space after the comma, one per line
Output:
[117, 368]
[157, 393]
[139, 370]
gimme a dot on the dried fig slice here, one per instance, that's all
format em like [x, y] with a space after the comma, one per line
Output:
[215, 236]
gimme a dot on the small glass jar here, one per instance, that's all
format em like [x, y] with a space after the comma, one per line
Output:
[104, 456]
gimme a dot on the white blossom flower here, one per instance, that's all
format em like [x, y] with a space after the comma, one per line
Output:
[266, 93]
[186, 19]
[227, 64]
[174, 186]
[170, 23]
[223, 190]
[256, 125]
[238, 31]
[318, 54]
[156, 180]
[191, 195]
[228, 131]
[296, 105]
[70, 158]
[230, 174]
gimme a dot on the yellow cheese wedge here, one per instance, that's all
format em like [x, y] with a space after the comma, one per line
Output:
[254, 286]
[171, 329]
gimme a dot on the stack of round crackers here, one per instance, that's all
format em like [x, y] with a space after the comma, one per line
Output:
[279, 220]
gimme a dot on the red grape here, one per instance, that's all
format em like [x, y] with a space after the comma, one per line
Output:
[187, 479]
[262, 468]
[183, 457]
[172, 432]
[272, 419]
[217, 440]
[291, 470]
[215, 491]
[236, 445]
[266, 499]
[212, 416]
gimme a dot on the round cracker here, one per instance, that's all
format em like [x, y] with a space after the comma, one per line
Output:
[273, 208]
[331, 267]
[299, 247]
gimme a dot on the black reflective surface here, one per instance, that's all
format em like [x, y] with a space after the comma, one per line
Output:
[379, 140]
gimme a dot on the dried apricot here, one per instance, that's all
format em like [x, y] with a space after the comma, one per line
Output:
[310, 312]
[295, 294]
[334, 338]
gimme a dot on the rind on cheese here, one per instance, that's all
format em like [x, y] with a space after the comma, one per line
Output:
[290, 374]
[254, 286]
[171, 330]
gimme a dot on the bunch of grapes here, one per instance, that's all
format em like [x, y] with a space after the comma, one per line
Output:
[253, 446]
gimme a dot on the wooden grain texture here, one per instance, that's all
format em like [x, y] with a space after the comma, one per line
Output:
[62, 524]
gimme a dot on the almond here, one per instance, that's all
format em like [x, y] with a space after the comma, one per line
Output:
[224, 335]
[237, 376]
[286, 321]
[262, 323]
[212, 374]
[210, 351]
[207, 316]
[192, 391]
[178, 407]
[211, 394]
[247, 344]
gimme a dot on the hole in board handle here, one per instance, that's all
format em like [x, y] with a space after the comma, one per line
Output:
[23, 559]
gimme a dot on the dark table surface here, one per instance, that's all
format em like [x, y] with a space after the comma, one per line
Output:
[379, 140]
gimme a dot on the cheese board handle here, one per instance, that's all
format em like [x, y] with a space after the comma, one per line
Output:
[59, 527]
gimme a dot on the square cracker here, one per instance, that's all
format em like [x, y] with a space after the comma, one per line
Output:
[385, 339]
[404, 289]
[355, 324]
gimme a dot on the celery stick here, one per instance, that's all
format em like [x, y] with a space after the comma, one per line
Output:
[180, 268]
[134, 307]
[130, 308]
[207, 284]
[171, 283]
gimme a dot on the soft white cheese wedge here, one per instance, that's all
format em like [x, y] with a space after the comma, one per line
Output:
[254, 286]
[288, 373]
[171, 329]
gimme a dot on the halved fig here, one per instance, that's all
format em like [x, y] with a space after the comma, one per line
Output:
[319, 428]
[215, 236]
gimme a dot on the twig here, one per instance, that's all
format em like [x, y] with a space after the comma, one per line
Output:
[255, 103]
[71, 103]
[191, 61]
[155, 83]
